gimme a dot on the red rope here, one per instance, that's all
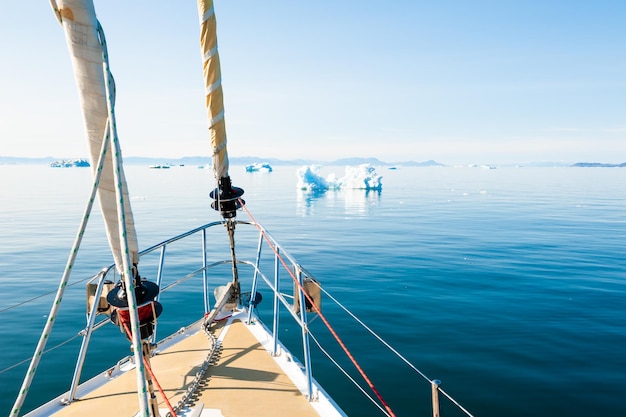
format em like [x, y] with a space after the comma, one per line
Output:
[322, 317]
[147, 365]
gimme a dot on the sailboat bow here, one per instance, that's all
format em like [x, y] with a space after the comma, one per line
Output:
[227, 361]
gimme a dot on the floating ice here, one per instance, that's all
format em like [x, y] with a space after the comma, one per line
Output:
[258, 166]
[309, 179]
[360, 177]
[363, 176]
[68, 163]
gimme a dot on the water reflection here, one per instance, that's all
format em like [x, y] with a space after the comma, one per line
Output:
[349, 202]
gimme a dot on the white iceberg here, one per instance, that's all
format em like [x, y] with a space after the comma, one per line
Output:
[309, 179]
[360, 177]
[259, 166]
[69, 163]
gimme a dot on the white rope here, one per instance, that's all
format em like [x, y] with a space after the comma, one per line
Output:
[128, 276]
[56, 10]
[54, 310]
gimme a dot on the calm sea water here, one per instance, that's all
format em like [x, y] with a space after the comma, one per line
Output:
[508, 285]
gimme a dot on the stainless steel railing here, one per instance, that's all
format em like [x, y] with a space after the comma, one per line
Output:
[107, 275]
[265, 259]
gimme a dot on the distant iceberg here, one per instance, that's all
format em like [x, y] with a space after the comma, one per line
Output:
[481, 166]
[360, 177]
[258, 166]
[69, 163]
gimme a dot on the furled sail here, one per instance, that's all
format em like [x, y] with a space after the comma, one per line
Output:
[86, 49]
[227, 198]
[213, 87]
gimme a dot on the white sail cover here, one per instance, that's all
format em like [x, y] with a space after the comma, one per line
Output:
[78, 18]
[213, 87]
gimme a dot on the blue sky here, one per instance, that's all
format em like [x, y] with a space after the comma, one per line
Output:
[455, 81]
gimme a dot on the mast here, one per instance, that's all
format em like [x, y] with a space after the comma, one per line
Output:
[227, 198]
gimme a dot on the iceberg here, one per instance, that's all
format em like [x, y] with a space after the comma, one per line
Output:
[257, 166]
[68, 163]
[309, 179]
[360, 177]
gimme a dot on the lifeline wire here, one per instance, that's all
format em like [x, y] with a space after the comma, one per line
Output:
[375, 335]
[381, 340]
[356, 384]
[39, 296]
[65, 342]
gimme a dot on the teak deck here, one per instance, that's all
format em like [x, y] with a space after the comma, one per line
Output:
[246, 380]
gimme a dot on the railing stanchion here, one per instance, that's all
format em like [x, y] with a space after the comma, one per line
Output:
[305, 333]
[255, 276]
[276, 317]
[91, 319]
[159, 279]
[205, 278]
[435, 386]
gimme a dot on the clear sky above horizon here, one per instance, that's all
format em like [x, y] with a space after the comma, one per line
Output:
[455, 81]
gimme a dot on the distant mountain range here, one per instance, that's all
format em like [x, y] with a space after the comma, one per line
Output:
[598, 165]
[247, 160]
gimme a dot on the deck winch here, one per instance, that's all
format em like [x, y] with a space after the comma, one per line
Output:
[227, 198]
[147, 308]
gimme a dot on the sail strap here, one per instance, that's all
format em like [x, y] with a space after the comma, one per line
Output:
[208, 13]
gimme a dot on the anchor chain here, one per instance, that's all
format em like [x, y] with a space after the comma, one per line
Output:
[187, 399]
